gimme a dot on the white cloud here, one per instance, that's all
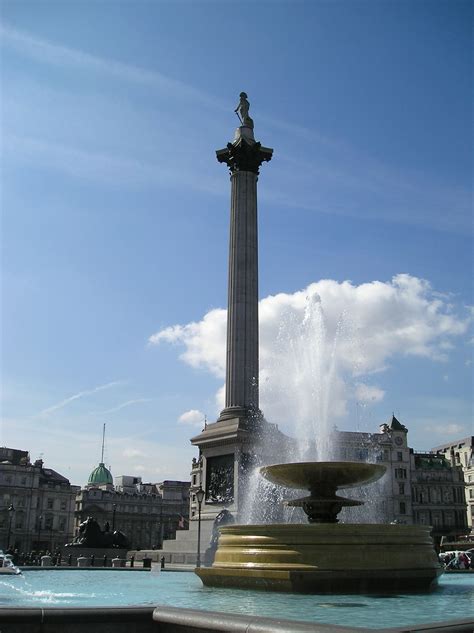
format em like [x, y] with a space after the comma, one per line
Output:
[203, 341]
[368, 393]
[317, 340]
[193, 417]
[133, 452]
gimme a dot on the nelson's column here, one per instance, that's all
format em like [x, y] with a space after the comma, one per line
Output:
[228, 447]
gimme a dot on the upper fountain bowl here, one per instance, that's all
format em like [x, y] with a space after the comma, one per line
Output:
[322, 475]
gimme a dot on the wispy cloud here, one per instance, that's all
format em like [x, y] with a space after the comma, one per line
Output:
[104, 167]
[447, 429]
[77, 396]
[337, 178]
[123, 405]
[47, 52]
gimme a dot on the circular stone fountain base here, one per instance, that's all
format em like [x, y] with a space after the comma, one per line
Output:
[324, 558]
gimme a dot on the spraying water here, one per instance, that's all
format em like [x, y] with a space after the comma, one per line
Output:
[308, 398]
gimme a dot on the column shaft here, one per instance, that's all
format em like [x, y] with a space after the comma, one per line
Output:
[242, 316]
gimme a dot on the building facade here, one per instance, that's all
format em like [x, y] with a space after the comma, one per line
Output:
[147, 513]
[461, 453]
[418, 488]
[438, 494]
[36, 504]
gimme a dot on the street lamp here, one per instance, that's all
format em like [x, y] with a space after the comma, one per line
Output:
[200, 498]
[114, 510]
[40, 519]
[11, 512]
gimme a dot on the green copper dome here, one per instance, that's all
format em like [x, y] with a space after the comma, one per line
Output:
[100, 476]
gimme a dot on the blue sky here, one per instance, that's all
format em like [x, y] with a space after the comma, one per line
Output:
[115, 216]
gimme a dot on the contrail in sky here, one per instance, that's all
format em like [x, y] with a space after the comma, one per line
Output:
[123, 405]
[76, 396]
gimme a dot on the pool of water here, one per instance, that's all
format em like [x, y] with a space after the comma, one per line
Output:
[77, 588]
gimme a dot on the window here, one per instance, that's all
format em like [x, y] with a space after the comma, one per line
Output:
[471, 493]
[400, 473]
[23, 481]
[48, 522]
[63, 504]
[403, 508]
[399, 456]
[62, 524]
[49, 503]
[401, 489]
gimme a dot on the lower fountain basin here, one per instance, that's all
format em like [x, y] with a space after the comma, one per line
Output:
[324, 558]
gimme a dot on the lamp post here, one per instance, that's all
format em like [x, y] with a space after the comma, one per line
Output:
[200, 498]
[40, 519]
[11, 512]
[114, 510]
[161, 524]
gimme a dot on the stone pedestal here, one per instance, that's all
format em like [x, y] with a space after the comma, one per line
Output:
[118, 562]
[87, 552]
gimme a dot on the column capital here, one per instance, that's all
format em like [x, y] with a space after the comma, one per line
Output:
[242, 155]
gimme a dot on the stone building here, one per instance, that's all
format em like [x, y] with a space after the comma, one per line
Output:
[461, 453]
[147, 513]
[36, 503]
[419, 488]
[438, 494]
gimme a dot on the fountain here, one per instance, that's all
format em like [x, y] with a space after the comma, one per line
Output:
[324, 556]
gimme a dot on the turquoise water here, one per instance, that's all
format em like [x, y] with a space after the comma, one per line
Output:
[453, 599]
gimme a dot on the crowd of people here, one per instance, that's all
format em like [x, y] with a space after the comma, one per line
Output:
[32, 558]
[457, 559]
